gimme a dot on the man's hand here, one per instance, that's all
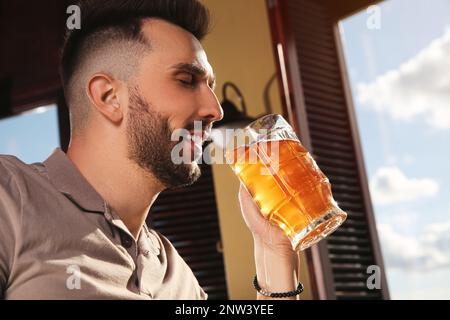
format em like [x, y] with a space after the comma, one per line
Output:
[276, 261]
[263, 231]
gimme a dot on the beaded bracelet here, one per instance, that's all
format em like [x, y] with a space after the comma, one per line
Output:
[278, 294]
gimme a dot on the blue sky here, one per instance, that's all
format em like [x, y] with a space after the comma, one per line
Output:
[400, 78]
[31, 136]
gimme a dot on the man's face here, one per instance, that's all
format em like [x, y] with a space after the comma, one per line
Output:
[172, 89]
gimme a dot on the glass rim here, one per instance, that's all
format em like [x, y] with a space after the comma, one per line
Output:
[270, 127]
[252, 125]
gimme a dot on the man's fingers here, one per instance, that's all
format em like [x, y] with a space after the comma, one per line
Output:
[246, 198]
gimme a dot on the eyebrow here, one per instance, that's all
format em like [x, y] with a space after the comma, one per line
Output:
[194, 69]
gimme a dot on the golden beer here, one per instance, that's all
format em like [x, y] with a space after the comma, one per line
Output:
[289, 188]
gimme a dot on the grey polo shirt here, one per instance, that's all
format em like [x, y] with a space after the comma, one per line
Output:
[60, 240]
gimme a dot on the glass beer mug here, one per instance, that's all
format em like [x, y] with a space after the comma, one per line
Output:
[284, 181]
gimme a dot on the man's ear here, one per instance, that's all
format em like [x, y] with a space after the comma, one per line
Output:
[104, 94]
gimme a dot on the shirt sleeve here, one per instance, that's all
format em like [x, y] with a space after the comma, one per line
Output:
[10, 205]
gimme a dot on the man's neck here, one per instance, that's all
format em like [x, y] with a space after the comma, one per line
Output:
[127, 188]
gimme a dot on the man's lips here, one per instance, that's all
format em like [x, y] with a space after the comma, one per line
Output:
[195, 141]
[200, 137]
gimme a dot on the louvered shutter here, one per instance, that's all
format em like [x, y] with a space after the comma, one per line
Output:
[188, 218]
[31, 33]
[330, 133]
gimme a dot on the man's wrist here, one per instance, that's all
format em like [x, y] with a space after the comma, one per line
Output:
[283, 251]
[276, 268]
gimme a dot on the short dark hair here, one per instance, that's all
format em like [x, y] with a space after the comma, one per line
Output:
[124, 18]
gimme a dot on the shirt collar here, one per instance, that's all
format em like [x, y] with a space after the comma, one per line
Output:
[68, 180]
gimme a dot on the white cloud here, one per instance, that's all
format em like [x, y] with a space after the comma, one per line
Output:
[419, 285]
[420, 87]
[438, 236]
[429, 251]
[403, 218]
[390, 185]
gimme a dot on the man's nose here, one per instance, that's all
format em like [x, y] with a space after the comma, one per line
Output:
[211, 108]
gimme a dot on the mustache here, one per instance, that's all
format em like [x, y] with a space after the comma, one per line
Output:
[205, 126]
[204, 129]
[198, 129]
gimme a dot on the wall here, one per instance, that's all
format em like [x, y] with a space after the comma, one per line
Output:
[240, 50]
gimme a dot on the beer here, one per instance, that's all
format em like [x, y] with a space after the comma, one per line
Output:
[289, 188]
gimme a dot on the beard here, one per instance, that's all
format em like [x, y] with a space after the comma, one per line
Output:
[150, 145]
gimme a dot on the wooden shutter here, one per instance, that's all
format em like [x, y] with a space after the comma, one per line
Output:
[31, 34]
[188, 218]
[321, 108]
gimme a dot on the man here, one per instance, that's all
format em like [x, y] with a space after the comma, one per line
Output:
[73, 227]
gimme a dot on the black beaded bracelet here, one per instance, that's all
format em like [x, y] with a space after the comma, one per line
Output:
[278, 294]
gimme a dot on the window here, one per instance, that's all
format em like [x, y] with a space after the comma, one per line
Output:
[31, 136]
[397, 54]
